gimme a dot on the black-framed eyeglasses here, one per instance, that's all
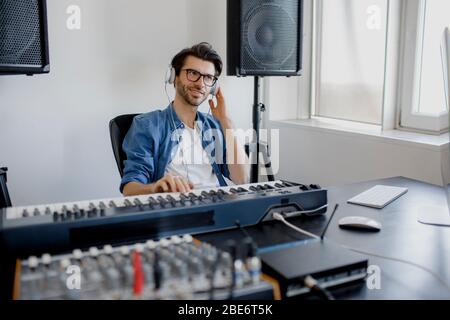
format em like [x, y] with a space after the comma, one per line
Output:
[194, 76]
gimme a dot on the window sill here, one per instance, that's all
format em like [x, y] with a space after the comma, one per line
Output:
[362, 130]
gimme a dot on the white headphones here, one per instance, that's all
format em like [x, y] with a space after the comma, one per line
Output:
[170, 79]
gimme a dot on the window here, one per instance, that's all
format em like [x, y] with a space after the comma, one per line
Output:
[426, 108]
[378, 62]
[350, 50]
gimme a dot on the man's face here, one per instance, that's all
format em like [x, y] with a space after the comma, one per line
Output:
[194, 93]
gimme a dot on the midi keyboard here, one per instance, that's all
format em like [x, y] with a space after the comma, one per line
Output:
[59, 227]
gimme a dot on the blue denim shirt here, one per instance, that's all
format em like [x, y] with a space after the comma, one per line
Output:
[152, 141]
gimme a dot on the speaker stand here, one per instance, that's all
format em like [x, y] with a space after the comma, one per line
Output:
[5, 200]
[258, 107]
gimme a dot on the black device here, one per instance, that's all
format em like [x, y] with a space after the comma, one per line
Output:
[264, 37]
[330, 264]
[23, 37]
[59, 227]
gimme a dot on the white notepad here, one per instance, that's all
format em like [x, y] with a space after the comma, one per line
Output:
[378, 196]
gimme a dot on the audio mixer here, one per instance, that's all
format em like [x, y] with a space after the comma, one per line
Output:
[178, 267]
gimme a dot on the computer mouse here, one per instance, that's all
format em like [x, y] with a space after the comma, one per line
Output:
[360, 223]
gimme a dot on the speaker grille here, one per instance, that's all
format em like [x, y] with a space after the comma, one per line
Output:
[270, 35]
[20, 41]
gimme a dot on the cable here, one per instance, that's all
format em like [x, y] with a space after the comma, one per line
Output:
[245, 232]
[180, 138]
[431, 272]
[167, 94]
[305, 212]
[278, 216]
[315, 287]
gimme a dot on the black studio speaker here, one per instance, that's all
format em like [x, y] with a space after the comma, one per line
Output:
[23, 37]
[264, 37]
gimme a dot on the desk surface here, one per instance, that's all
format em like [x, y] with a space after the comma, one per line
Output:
[402, 237]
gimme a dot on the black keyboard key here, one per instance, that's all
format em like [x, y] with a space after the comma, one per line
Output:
[153, 203]
[173, 201]
[240, 189]
[77, 214]
[303, 187]
[278, 185]
[170, 198]
[128, 203]
[183, 196]
[253, 188]
[205, 194]
[233, 190]
[268, 187]
[112, 204]
[102, 205]
[163, 202]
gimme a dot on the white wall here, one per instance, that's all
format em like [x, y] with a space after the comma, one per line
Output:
[54, 128]
[330, 158]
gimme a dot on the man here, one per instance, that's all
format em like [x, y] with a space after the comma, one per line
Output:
[179, 148]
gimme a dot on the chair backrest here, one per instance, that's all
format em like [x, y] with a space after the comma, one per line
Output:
[5, 201]
[118, 128]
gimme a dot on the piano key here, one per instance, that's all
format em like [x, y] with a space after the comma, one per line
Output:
[128, 203]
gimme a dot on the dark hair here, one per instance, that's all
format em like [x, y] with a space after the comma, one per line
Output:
[202, 51]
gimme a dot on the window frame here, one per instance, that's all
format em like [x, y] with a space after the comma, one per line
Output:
[413, 26]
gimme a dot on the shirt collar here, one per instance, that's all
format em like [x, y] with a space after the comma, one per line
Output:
[199, 119]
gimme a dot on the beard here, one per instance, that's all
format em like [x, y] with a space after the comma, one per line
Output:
[186, 92]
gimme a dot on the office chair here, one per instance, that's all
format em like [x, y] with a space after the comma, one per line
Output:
[5, 200]
[118, 128]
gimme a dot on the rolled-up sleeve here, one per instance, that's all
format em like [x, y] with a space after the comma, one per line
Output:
[138, 146]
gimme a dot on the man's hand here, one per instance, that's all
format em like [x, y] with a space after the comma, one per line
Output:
[168, 183]
[171, 183]
[219, 111]
[237, 160]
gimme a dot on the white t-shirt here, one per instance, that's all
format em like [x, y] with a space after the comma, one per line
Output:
[192, 162]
